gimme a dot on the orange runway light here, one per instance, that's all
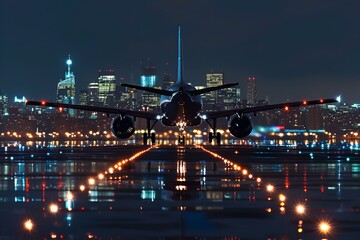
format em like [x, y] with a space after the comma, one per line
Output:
[270, 188]
[28, 225]
[282, 198]
[324, 227]
[300, 209]
[53, 208]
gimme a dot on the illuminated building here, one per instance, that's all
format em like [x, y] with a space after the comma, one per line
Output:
[231, 98]
[148, 78]
[3, 104]
[214, 99]
[251, 95]
[83, 96]
[107, 87]
[66, 88]
[93, 94]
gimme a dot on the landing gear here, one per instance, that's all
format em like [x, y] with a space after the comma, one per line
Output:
[149, 135]
[181, 140]
[212, 134]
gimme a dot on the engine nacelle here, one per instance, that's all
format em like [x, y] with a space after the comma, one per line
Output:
[122, 127]
[240, 127]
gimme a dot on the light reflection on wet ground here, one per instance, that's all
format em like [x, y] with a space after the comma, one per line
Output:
[178, 193]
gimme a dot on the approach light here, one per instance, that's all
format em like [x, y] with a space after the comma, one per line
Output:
[282, 197]
[324, 227]
[270, 188]
[91, 181]
[53, 208]
[300, 209]
[29, 225]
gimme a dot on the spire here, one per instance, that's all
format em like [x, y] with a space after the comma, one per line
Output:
[69, 63]
[180, 65]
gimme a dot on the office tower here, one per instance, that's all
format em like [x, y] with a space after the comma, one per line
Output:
[83, 96]
[3, 104]
[107, 87]
[231, 98]
[251, 96]
[148, 78]
[214, 79]
[214, 99]
[66, 88]
[93, 94]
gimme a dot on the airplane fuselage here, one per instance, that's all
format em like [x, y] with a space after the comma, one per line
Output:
[181, 109]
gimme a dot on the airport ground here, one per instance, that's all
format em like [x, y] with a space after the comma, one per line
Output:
[178, 192]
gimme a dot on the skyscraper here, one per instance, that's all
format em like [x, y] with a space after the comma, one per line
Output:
[93, 94]
[148, 77]
[214, 99]
[107, 87]
[3, 104]
[66, 88]
[251, 95]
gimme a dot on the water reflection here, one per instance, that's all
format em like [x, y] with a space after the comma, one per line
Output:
[205, 191]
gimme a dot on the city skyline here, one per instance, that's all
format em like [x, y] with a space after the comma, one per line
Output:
[286, 46]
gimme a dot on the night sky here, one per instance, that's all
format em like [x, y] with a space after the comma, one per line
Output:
[295, 49]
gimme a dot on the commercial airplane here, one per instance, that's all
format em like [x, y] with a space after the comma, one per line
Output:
[181, 106]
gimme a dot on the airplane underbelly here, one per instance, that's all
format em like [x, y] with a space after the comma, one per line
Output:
[180, 111]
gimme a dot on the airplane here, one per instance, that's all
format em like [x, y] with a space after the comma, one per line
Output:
[181, 106]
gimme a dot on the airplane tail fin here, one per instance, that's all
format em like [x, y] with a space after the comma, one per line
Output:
[149, 89]
[180, 80]
[210, 89]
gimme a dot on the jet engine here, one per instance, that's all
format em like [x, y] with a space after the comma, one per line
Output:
[122, 126]
[240, 126]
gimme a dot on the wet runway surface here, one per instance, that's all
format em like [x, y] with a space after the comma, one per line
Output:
[192, 192]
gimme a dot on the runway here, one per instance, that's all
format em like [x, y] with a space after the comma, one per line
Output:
[172, 192]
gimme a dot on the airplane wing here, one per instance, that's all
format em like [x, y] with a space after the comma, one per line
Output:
[210, 89]
[108, 110]
[286, 106]
[150, 89]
